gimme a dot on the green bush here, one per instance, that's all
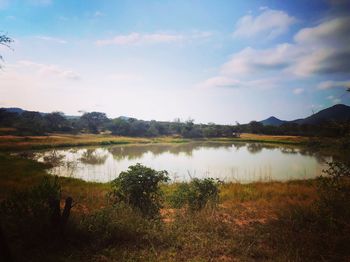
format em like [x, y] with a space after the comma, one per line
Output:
[139, 187]
[197, 194]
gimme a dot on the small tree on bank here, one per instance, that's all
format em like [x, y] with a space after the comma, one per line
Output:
[139, 187]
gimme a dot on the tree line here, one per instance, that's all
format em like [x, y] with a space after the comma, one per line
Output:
[35, 123]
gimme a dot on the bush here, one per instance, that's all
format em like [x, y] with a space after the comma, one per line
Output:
[116, 224]
[320, 231]
[139, 188]
[334, 194]
[25, 216]
[197, 194]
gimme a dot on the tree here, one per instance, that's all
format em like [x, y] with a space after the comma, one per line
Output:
[56, 121]
[94, 121]
[31, 123]
[5, 41]
[139, 187]
[256, 127]
[120, 126]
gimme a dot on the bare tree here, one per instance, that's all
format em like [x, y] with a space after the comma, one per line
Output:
[5, 41]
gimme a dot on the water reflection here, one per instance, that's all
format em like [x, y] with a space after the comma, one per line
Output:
[131, 152]
[244, 162]
[93, 157]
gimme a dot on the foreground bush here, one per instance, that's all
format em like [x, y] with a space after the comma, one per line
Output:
[318, 231]
[31, 208]
[31, 219]
[118, 224]
[139, 187]
[334, 194]
[197, 194]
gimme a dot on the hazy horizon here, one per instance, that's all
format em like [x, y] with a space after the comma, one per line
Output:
[211, 61]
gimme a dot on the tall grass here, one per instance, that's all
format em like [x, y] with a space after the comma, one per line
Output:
[271, 221]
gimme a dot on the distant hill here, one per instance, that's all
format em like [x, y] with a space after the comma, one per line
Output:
[14, 110]
[337, 113]
[272, 121]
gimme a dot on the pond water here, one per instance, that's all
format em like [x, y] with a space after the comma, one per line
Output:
[243, 162]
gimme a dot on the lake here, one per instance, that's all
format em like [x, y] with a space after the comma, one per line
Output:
[238, 161]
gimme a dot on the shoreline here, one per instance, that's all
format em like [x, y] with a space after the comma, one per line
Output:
[18, 143]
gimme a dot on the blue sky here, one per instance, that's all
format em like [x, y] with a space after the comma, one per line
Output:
[214, 61]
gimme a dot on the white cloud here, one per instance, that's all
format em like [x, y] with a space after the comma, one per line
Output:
[153, 38]
[229, 82]
[333, 32]
[333, 84]
[138, 38]
[334, 100]
[325, 48]
[298, 91]
[251, 60]
[52, 39]
[320, 50]
[45, 70]
[98, 14]
[270, 22]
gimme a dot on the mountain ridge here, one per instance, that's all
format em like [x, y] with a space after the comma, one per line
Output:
[338, 112]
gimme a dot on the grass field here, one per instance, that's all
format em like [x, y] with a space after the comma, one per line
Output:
[61, 140]
[253, 222]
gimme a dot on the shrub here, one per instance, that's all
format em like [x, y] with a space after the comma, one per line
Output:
[197, 194]
[25, 216]
[139, 187]
[320, 231]
[116, 224]
[334, 193]
[33, 203]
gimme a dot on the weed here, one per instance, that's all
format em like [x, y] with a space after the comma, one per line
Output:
[197, 194]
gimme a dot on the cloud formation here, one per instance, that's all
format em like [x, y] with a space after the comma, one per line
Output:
[298, 91]
[44, 70]
[321, 50]
[152, 38]
[334, 84]
[138, 38]
[52, 39]
[271, 23]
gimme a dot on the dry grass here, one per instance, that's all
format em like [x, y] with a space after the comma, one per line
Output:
[247, 225]
[9, 142]
[62, 140]
[245, 137]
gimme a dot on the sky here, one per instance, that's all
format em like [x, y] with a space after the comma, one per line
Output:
[216, 61]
